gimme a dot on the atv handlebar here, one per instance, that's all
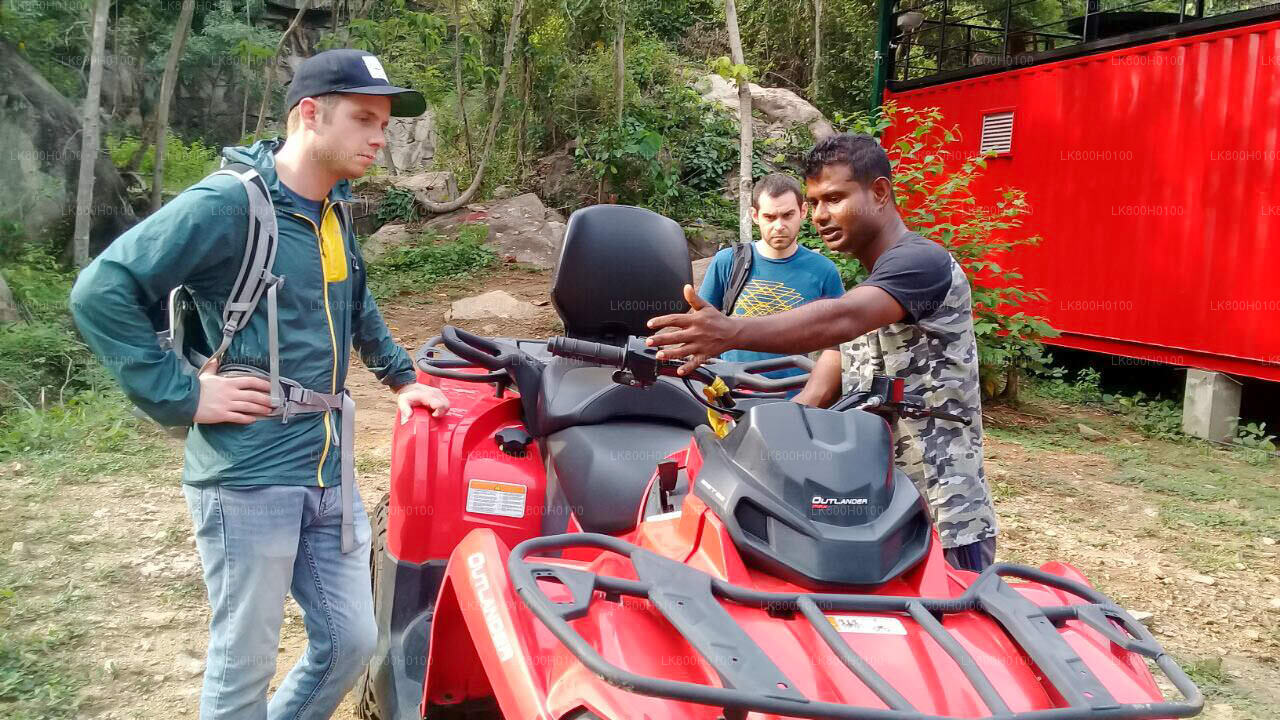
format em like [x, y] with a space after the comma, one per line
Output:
[641, 366]
[586, 351]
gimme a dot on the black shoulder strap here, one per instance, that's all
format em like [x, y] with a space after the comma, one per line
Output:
[739, 272]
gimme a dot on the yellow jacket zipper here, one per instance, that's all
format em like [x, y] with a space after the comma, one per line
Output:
[333, 342]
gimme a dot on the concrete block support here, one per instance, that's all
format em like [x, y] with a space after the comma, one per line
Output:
[1211, 405]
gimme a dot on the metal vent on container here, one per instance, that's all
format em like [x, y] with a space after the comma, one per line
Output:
[997, 132]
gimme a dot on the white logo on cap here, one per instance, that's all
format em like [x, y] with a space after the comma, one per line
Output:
[375, 67]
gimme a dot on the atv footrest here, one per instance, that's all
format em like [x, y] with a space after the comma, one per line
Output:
[691, 601]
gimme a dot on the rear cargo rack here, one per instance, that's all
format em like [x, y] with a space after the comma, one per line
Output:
[691, 601]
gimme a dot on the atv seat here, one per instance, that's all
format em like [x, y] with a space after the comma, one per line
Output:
[603, 470]
[572, 394]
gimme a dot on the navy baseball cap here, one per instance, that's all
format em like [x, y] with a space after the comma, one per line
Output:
[351, 71]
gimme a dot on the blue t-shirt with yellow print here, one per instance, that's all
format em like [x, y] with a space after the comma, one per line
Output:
[773, 287]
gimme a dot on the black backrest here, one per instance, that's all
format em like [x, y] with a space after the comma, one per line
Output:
[619, 267]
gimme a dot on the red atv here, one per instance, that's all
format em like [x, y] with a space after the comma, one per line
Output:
[661, 570]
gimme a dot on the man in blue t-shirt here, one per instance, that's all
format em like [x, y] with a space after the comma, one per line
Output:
[784, 274]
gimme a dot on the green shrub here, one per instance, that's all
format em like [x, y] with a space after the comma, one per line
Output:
[398, 205]
[42, 361]
[184, 164]
[934, 197]
[414, 267]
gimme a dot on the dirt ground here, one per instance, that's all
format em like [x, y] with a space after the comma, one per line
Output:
[108, 557]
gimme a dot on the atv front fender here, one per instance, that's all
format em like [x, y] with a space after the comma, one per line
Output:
[479, 647]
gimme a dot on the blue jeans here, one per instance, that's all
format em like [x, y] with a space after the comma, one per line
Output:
[256, 545]
[974, 557]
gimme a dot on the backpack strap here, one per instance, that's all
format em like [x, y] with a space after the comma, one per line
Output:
[255, 275]
[739, 273]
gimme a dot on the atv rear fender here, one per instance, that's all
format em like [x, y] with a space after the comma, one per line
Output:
[446, 473]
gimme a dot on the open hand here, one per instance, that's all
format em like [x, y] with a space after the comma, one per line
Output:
[419, 395]
[702, 333]
[241, 399]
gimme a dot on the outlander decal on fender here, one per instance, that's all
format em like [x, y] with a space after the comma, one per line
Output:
[489, 608]
[822, 503]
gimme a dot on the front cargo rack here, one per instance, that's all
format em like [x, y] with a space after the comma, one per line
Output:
[691, 601]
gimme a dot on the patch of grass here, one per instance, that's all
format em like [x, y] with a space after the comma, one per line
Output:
[416, 267]
[40, 676]
[92, 433]
[36, 681]
[1213, 680]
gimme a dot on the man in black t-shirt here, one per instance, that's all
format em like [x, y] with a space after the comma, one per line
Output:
[911, 318]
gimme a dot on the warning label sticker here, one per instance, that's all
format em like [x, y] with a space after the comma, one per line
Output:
[487, 497]
[867, 624]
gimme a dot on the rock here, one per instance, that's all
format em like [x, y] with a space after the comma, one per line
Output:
[412, 143]
[1089, 433]
[8, 306]
[705, 240]
[79, 539]
[40, 130]
[19, 550]
[1275, 603]
[1142, 616]
[17, 469]
[111, 667]
[1268, 541]
[188, 664]
[1202, 579]
[493, 304]
[520, 226]
[387, 238]
[436, 186]
[503, 192]
[778, 105]
[563, 183]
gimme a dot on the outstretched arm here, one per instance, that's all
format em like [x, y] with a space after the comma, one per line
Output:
[704, 332]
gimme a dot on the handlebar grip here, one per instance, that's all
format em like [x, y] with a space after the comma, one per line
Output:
[600, 353]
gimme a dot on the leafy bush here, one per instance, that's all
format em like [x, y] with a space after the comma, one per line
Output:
[414, 267]
[41, 360]
[184, 164]
[935, 199]
[397, 205]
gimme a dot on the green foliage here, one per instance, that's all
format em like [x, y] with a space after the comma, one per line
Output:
[731, 71]
[185, 164]
[33, 684]
[934, 197]
[415, 267]
[41, 360]
[1155, 417]
[398, 205]
[52, 37]
[669, 19]
[1259, 446]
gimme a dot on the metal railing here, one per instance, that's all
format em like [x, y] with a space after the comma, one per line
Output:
[933, 40]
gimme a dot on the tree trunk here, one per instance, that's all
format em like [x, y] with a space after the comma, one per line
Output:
[526, 79]
[517, 9]
[167, 83]
[744, 123]
[244, 103]
[89, 140]
[817, 47]
[459, 84]
[271, 68]
[619, 61]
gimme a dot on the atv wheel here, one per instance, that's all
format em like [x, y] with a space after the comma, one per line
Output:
[367, 706]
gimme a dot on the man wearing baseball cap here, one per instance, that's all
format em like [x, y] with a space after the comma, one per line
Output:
[272, 497]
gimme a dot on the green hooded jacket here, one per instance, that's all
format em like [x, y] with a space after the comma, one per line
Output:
[325, 308]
